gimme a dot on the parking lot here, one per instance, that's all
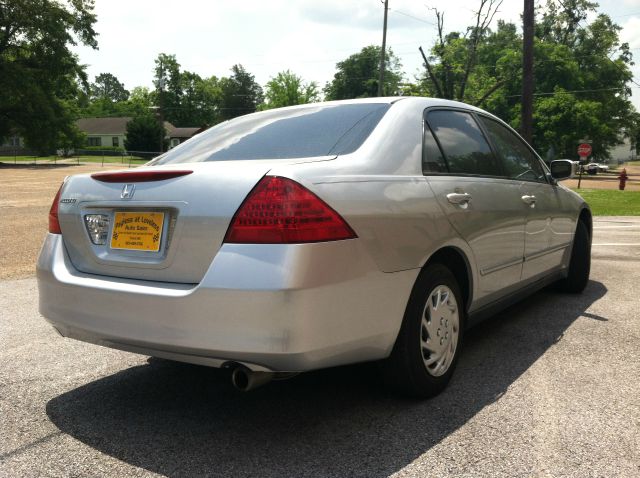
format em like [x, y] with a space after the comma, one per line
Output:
[548, 387]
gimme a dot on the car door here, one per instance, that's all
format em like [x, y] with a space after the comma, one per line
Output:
[548, 228]
[483, 207]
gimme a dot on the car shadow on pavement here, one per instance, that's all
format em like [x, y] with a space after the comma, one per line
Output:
[182, 421]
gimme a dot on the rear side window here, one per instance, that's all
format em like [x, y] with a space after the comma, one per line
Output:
[517, 159]
[465, 148]
[432, 159]
[281, 134]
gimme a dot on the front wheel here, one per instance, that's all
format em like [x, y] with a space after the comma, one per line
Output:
[580, 262]
[428, 345]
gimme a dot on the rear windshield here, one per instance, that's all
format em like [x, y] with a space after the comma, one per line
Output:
[281, 134]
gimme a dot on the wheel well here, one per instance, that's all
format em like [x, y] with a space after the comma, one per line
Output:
[585, 217]
[457, 262]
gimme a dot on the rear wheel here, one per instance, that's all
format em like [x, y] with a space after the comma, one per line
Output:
[580, 263]
[428, 345]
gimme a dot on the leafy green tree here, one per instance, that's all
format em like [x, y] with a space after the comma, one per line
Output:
[167, 81]
[581, 74]
[144, 133]
[199, 105]
[454, 56]
[358, 75]
[288, 89]
[107, 87]
[240, 94]
[39, 74]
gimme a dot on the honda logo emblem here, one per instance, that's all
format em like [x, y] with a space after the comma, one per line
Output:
[127, 191]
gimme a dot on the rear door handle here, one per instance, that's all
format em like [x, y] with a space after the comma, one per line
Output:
[530, 200]
[459, 198]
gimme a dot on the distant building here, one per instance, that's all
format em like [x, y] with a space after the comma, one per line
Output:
[14, 144]
[623, 152]
[112, 132]
[180, 135]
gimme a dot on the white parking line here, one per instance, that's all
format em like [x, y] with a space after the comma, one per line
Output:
[617, 227]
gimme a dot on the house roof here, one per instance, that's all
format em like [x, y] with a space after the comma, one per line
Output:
[184, 132]
[114, 126]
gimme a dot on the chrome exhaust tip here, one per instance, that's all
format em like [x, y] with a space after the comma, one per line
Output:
[244, 379]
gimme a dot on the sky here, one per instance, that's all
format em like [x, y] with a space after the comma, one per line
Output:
[307, 37]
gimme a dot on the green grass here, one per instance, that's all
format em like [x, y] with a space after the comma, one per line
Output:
[82, 159]
[611, 202]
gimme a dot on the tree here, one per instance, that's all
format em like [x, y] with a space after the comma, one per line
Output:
[358, 75]
[581, 74]
[144, 133]
[240, 93]
[107, 87]
[199, 105]
[39, 74]
[168, 85]
[456, 55]
[288, 89]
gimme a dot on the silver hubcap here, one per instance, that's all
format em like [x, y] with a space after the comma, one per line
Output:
[439, 330]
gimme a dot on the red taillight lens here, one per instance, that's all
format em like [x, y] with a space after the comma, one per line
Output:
[54, 224]
[139, 176]
[281, 211]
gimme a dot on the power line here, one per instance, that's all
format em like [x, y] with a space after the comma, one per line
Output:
[399, 12]
[593, 90]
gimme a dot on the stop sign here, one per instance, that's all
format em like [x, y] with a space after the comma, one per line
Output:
[584, 150]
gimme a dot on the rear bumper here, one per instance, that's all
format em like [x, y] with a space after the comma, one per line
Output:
[275, 307]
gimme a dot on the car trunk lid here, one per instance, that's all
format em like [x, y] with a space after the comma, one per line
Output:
[162, 223]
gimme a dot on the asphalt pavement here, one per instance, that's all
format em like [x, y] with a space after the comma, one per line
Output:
[547, 388]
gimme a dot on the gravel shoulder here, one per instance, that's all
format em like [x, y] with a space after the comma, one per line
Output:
[26, 193]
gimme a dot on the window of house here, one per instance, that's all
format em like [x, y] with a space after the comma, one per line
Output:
[518, 160]
[93, 141]
[466, 150]
[115, 141]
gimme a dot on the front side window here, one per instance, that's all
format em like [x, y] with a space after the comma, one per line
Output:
[517, 159]
[464, 146]
[315, 130]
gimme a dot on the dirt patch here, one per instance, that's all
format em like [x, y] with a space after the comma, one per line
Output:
[26, 192]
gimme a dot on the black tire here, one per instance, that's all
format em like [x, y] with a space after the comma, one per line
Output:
[406, 370]
[580, 263]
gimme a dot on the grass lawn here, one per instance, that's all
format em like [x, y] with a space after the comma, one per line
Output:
[610, 202]
[83, 159]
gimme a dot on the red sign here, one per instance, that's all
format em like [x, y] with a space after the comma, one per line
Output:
[584, 150]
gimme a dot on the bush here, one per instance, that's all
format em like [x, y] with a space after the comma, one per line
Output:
[100, 151]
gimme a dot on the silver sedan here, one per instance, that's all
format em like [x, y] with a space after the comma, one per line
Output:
[314, 236]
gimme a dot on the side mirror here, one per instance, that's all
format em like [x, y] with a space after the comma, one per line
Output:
[562, 169]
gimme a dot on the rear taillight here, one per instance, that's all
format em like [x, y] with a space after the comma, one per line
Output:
[280, 211]
[54, 224]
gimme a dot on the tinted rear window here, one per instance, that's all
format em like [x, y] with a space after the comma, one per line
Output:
[281, 134]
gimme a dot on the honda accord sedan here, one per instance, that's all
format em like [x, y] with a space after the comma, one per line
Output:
[314, 236]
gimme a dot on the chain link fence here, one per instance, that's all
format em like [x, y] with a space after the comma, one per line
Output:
[108, 157]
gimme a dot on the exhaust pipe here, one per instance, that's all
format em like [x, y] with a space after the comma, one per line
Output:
[244, 379]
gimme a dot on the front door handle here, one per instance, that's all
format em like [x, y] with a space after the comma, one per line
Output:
[459, 198]
[530, 200]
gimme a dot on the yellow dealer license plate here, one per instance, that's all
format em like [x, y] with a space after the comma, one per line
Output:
[141, 231]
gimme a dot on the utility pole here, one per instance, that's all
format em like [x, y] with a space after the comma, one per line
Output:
[160, 104]
[527, 71]
[382, 54]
